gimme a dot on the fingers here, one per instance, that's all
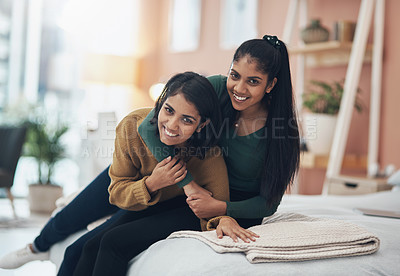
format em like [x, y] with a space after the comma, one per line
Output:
[180, 178]
[194, 188]
[190, 201]
[194, 210]
[173, 161]
[174, 167]
[233, 236]
[179, 169]
[164, 161]
[178, 166]
[195, 196]
[252, 234]
[245, 236]
[219, 233]
[230, 228]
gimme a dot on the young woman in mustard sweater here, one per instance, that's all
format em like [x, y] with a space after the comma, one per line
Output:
[185, 120]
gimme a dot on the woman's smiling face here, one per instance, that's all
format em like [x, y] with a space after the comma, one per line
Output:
[246, 85]
[178, 119]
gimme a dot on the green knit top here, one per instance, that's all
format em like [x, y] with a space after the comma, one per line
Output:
[244, 157]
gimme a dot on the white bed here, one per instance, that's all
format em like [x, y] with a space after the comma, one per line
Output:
[187, 256]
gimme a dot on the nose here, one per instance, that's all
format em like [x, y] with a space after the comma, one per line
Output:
[173, 123]
[240, 86]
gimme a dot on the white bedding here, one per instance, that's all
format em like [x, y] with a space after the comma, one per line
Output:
[187, 256]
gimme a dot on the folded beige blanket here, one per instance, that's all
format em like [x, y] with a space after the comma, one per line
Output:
[293, 237]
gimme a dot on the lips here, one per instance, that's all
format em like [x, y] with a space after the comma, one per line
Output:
[170, 134]
[239, 98]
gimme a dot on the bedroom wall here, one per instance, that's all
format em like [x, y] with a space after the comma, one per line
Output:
[158, 64]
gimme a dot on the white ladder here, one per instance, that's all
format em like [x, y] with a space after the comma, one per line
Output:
[351, 81]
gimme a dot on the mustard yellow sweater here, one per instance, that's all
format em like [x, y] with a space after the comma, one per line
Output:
[133, 163]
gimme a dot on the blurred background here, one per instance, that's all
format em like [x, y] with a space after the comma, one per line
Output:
[86, 64]
[70, 70]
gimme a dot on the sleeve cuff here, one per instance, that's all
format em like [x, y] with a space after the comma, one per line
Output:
[185, 181]
[145, 198]
[213, 223]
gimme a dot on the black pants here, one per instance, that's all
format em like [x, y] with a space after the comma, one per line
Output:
[110, 251]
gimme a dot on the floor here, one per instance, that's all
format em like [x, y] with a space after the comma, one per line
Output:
[16, 237]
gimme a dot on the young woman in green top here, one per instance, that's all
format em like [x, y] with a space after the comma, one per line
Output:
[260, 138]
[260, 142]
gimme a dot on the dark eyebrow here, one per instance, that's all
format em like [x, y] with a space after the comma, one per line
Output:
[170, 106]
[184, 115]
[251, 77]
[255, 77]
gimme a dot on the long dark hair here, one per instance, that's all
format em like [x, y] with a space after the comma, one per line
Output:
[197, 90]
[282, 155]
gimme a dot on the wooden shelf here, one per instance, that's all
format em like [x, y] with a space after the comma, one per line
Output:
[351, 161]
[330, 53]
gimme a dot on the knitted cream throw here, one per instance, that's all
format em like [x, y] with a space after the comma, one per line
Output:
[293, 237]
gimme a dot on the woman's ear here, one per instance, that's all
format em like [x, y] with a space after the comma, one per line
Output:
[271, 85]
[200, 127]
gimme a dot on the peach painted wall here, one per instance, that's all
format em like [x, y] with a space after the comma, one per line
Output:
[158, 64]
[390, 115]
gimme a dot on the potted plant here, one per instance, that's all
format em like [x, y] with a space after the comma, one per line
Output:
[43, 143]
[323, 101]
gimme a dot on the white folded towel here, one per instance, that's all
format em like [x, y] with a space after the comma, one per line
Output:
[293, 237]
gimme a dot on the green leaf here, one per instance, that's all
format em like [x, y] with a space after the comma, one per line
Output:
[44, 144]
[324, 97]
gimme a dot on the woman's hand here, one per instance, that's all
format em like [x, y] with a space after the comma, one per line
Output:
[227, 226]
[205, 206]
[167, 172]
[194, 188]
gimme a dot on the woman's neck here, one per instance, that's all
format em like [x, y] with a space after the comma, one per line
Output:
[250, 121]
[258, 112]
